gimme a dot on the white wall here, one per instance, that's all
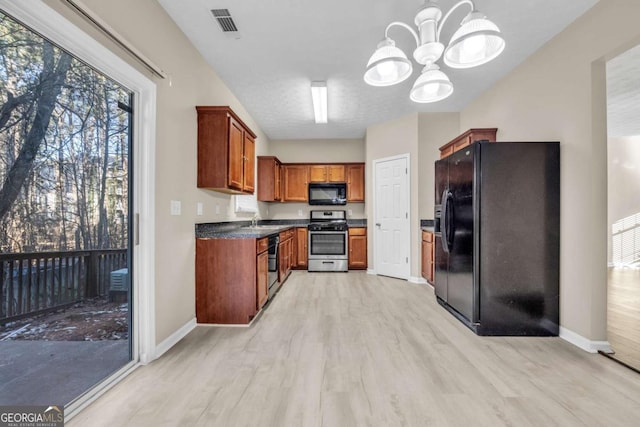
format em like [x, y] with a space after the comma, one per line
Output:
[192, 82]
[560, 94]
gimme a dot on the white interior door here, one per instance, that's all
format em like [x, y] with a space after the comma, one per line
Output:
[391, 234]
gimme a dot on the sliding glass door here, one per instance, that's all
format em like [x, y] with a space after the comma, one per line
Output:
[65, 221]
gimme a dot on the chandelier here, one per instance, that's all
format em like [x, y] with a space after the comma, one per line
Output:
[476, 42]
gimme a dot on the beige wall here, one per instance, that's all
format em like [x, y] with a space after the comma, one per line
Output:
[192, 82]
[315, 151]
[318, 150]
[434, 130]
[390, 139]
[559, 94]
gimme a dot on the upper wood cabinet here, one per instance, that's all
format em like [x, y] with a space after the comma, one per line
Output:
[226, 151]
[466, 139]
[269, 179]
[355, 182]
[326, 173]
[288, 182]
[296, 178]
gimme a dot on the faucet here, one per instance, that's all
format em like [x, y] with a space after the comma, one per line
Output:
[254, 220]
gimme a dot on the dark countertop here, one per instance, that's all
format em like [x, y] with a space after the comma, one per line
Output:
[243, 229]
[426, 225]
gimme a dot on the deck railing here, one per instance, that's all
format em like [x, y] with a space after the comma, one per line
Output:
[37, 282]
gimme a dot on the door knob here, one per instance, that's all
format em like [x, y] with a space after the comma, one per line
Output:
[378, 224]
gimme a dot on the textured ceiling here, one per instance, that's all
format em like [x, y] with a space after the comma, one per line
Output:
[286, 44]
[623, 94]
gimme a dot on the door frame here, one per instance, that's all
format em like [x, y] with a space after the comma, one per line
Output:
[376, 236]
[52, 25]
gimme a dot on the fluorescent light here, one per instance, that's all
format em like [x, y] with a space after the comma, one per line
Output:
[319, 97]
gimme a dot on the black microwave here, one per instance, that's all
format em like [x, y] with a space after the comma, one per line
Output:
[327, 193]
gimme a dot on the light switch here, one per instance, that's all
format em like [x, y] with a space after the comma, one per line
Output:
[350, 212]
[199, 209]
[176, 207]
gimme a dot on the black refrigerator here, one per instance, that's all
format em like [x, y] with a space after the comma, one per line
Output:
[497, 237]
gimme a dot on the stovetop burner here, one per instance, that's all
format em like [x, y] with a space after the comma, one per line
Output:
[328, 221]
[328, 226]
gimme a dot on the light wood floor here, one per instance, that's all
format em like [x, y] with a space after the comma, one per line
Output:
[623, 315]
[358, 350]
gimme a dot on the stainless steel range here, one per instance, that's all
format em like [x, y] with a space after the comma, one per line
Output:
[328, 240]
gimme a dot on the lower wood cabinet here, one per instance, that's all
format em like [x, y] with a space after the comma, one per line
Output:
[262, 272]
[227, 283]
[357, 248]
[301, 248]
[285, 254]
[427, 256]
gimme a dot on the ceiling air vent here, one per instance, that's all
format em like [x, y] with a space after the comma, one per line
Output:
[225, 20]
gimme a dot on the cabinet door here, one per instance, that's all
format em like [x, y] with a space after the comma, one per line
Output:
[357, 248]
[262, 279]
[249, 161]
[355, 183]
[301, 244]
[318, 173]
[425, 260]
[236, 155]
[295, 183]
[282, 260]
[289, 255]
[269, 183]
[430, 262]
[336, 173]
[277, 189]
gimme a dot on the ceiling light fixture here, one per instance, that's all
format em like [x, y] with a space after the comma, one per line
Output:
[319, 97]
[476, 42]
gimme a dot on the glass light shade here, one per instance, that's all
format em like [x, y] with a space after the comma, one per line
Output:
[433, 85]
[388, 65]
[476, 42]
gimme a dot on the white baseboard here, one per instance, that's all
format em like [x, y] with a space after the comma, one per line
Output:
[419, 280]
[371, 271]
[173, 339]
[584, 343]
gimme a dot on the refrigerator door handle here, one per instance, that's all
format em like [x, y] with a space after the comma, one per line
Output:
[446, 196]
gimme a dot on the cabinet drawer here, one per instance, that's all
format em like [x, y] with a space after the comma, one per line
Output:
[357, 231]
[286, 234]
[262, 245]
[427, 236]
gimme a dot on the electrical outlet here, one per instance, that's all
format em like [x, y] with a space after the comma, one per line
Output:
[217, 209]
[350, 212]
[176, 207]
[299, 212]
[199, 209]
